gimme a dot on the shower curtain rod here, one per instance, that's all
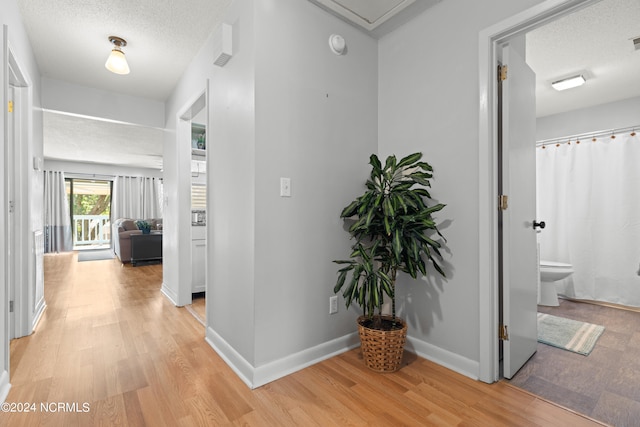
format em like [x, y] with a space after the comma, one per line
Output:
[596, 134]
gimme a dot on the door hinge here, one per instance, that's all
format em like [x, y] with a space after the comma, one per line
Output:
[10, 106]
[503, 202]
[502, 72]
[10, 306]
[503, 333]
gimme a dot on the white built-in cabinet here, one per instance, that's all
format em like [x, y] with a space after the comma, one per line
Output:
[198, 252]
[198, 213]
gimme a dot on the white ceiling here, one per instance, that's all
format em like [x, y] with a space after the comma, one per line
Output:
[68, 137]
[376, 17]
[595, 42]
[69, 39]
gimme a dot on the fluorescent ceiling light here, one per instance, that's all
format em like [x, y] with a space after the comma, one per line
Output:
[568, 83]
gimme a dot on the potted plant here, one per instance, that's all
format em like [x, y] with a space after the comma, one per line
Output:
[144, 226]
[393, 232]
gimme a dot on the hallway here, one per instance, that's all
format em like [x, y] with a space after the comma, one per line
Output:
[111, 344]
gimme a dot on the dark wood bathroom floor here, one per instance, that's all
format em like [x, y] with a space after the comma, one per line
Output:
[604, 385]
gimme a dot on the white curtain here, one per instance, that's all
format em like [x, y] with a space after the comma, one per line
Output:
[136, 198]
[151, 202]
[57, 221]
[589, 196]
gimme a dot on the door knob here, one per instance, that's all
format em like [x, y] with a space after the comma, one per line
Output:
[540, 224]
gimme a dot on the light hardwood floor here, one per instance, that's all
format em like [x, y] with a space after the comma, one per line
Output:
[110, 339]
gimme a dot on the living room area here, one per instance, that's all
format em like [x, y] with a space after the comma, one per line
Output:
[103, 216]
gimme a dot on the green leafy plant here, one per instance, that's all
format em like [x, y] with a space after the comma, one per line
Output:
[143, 225]
[393, 232]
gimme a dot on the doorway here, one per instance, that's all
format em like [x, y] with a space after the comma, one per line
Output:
[90, 210]
[192, 127]
[491, 41]
[502, 33]
[24, 255]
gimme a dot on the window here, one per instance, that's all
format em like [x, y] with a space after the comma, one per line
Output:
[198, 196]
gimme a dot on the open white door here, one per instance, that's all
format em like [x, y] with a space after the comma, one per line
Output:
[519, 247]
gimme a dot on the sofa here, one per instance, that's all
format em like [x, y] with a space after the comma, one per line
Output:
[121, 231]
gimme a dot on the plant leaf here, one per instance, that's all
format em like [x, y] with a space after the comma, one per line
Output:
[410, 159]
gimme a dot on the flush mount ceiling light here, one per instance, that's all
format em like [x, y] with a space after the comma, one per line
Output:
[117, 63]
[569, 83]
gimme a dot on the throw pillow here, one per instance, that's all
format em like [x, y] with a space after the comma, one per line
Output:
[129, 225]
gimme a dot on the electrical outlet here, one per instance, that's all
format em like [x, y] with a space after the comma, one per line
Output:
[333, 305]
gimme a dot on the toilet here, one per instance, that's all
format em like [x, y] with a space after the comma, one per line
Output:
[551, 272]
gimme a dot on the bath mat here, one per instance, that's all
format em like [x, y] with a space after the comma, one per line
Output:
[95, 255]
[573, 335]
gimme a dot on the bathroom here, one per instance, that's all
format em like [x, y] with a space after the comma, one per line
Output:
[587, 195]
[589, 198]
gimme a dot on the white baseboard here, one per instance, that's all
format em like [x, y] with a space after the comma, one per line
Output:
[171, 296]
[255, 377]
[38, 314]
[240, 366]
[455, 362]
[287, 365]
[5, 386]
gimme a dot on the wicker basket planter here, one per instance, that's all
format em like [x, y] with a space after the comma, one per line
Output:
[382, 350]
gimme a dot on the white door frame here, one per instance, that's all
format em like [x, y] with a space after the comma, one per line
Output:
[190, 109]
[489, 41]
[21, 263]
[4, 285]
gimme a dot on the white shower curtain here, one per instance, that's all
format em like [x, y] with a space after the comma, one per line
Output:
[136, 198]
[589, 197]
[57, 221]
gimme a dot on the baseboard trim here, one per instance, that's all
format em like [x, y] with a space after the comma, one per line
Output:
[455, 362]
[287, 365]
[255, 377]
[171, 296]
[5, 386]
[236, 362]
[38, 314]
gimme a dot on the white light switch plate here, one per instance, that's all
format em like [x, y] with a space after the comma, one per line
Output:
[285, 187]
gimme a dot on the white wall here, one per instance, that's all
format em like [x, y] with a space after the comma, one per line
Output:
[231, 196]
[29, 179]
[316, 123]
[284, 106]
[619, 114]
[85, 101]
[428, 101]
[177, 176]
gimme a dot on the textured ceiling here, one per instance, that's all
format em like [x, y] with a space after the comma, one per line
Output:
[595, 42]
[374, 10]
[70, 43]
[376, 17]
[75, 138]
[70, 40]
